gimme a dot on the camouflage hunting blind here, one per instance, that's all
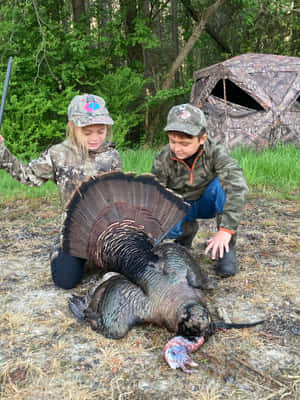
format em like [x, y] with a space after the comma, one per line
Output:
[252, 99]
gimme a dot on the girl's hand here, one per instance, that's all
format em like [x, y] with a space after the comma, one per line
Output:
[218, 243]
[1, 138]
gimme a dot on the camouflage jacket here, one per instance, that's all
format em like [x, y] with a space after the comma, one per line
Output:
[213, 161]
[63, 164]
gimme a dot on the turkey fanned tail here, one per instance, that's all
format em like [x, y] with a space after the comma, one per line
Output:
[117, 197]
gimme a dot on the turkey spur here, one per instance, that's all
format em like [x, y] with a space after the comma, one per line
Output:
[117, 221]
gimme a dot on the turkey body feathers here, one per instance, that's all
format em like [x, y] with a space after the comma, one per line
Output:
[150, 292]
[161, 295]
[128, 251]
[115, 307]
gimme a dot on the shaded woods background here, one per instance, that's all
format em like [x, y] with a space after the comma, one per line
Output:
[138, 54]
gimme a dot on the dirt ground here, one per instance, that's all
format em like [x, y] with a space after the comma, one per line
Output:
[46, 354]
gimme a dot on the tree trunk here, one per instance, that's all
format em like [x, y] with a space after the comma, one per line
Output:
[78, 7]
[130, 12]
[175, 34]
[199, 27]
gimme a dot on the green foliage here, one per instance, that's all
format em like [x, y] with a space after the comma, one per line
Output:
[164, 95]
[35, 121]
[143, 34]
[122, 90]
[12, 190]
[108, 53]
[275, 168]
[139, 161]
[268, 28]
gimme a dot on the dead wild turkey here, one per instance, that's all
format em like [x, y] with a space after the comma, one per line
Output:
[117, 221]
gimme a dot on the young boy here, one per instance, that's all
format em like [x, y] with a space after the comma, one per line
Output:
[208, 178]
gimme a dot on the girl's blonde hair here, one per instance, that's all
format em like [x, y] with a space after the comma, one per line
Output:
[78, 139]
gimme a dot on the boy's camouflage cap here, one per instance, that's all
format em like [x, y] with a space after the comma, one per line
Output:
[88, 109]
[186, 118]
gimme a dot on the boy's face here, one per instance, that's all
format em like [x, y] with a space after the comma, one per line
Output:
[184, 146]
[95, 135]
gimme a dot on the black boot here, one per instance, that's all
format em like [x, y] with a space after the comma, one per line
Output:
[189, 230]
[228, 265]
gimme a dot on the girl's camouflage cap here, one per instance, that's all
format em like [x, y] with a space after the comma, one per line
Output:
[88, 109]
[186, 118]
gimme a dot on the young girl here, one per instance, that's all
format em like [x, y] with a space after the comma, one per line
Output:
[84, 153]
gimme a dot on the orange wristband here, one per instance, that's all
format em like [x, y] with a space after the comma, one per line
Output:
[227, 230]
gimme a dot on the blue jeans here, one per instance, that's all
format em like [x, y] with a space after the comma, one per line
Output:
[210, 203]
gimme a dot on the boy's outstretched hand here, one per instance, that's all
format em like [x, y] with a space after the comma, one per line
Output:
[1, 138]
[218, 243]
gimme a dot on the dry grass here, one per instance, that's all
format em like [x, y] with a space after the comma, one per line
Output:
[46, 354]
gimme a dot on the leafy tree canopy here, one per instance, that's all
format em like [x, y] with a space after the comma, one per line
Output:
[122, 51]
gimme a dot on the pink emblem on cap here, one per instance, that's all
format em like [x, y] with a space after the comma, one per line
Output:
[91, 106]
[184, 114]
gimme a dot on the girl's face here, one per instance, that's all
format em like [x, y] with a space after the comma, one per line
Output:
[184, 147]
[95, 135]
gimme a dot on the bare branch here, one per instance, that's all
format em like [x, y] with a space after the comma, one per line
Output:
[199, 27]
[43, 47]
